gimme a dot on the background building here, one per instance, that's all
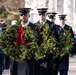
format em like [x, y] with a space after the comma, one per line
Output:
[60, 6]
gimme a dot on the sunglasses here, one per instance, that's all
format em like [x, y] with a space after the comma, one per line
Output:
[24, 14]
[42, 14]
[61, 19]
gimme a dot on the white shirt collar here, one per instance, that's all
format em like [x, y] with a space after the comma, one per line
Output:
[43, 22]
[26, 24]
[62, 26]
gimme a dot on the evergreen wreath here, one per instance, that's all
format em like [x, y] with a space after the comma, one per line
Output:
[65, 43]
[19, 42]
[48, 42]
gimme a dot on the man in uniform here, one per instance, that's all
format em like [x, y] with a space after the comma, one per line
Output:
[44, 66]
[64, 60]
[27, 67]
[51, 16]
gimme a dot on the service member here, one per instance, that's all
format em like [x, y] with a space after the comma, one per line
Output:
[27, 67]
[51, 16]
[64, 60]
[44, 66]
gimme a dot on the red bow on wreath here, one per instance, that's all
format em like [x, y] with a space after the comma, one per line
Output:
[20, 36]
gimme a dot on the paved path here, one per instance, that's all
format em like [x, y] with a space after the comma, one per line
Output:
[72, 66]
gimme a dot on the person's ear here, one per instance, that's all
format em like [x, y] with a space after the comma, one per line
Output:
[29, 15]
[46, 14]
[64, 19]
[54, 18]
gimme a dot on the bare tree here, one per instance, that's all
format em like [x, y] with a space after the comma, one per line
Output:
[12, 5]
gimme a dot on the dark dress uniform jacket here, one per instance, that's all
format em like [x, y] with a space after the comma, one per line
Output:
[64, 60]
[41, 70]
[14, 64]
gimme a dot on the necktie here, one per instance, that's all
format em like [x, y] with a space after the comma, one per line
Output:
[61, 31]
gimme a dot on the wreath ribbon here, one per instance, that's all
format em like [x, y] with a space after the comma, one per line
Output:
[20, 36]
[39, 30]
